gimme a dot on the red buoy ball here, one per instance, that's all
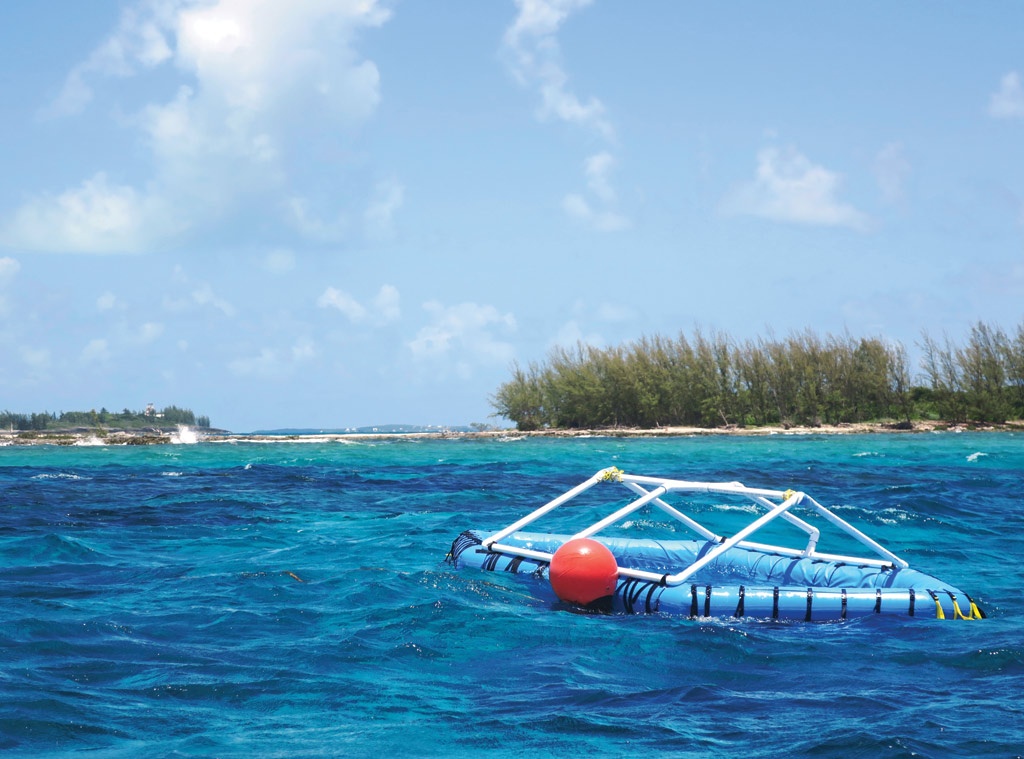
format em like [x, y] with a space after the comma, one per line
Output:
[582, 571]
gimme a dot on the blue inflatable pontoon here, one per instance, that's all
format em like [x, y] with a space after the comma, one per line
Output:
[715, 576]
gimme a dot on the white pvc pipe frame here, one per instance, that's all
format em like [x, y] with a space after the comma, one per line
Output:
[779, 507]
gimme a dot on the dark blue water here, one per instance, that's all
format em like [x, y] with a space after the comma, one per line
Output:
[292, 600]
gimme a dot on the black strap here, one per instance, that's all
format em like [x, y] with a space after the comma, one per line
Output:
[739, 606]
[460, 544]
[650, 595]
[775, 603]
[913, 600]
[693, 601]
[878, 600]
[705, 548]
[707, 601]
[810, 598]
[843, 616]
[627, 589]
[490, 562]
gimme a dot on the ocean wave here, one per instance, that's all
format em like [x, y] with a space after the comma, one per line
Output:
[168, 585]
[59, 476]
[184, 436]
[92, 440]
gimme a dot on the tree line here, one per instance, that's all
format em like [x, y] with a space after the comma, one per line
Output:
[126, 419]
[711, 380]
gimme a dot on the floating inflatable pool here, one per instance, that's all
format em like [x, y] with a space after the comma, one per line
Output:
[709, 575]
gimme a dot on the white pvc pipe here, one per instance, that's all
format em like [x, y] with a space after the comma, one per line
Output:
[625, 511]
[550, 506]
[718, 550]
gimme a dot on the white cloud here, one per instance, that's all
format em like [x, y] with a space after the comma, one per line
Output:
[464, 336]
[615, 312]
[789, 188]
[384, 309]
[578, 208]
[534, 59]
[8, 268]
[387, 304]
[1008, 101]
[265, 364]
[303, 350]
[605, 218]
[312, 226]
[571, 333]
[258, 64]
[95, 217]
[272, 363]
[891, 169]
[259, 72]
[334, 298]
[200, 295]
[379, 215]
[96, 351]
[255, 55]
[279, 261]
[140, 40]
[578, 329]
[597, 167]
[148, 332]
[203, 295]
[37, 359]
[106, 302]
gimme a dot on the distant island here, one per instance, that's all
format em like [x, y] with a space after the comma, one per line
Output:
[150, 418]
[174, 425]
[701, 384]
[711, 381]
[379, 429]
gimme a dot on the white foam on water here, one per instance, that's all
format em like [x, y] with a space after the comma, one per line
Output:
[184, 436]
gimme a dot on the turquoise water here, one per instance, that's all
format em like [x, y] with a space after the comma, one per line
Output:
[292, 600]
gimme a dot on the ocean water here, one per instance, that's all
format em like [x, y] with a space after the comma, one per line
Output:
[292, 599]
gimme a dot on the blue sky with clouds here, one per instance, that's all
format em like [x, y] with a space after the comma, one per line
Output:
[329, 213]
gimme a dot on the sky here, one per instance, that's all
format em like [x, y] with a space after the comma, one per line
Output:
[334, 213]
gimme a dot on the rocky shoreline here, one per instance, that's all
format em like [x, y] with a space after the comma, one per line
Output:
[186, 435]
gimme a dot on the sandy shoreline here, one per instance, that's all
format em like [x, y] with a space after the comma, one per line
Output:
[162, 437]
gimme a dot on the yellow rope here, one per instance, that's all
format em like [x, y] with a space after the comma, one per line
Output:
[612, 474]
[975, 612]
[957, 614]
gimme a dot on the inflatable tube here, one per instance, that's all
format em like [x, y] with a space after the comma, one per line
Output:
[741, 582]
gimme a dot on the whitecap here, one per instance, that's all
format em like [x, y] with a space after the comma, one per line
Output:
[184, 436]
[91, 440]
[976, 456]
[747, 508]
[893, 516]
